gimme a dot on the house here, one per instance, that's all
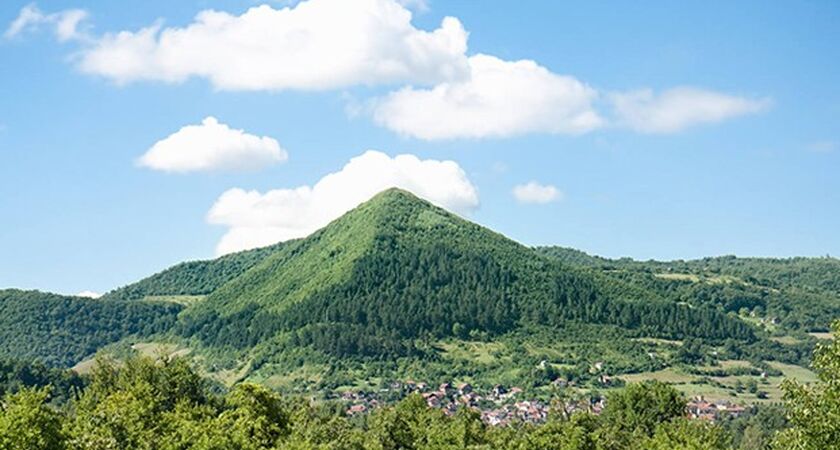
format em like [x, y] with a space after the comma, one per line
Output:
[605, 380]
[470, 399]
[450, 409]
[497, 417]
[735, 411]
[432, 399]
[699, 408]
[356, 409]
[498, 391]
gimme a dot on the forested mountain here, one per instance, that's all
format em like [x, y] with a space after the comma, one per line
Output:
[398, 268]
[61, 330]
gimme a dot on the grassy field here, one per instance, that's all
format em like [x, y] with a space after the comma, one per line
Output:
[733, 363]
[826, 336]
[84, 367]
[679, 277]
[724, 387]
[759, 322]
[787, 340]
[670, 375]
[302, 377]
[798, 373]
[185, 300]
[473, 351]
[125, 348]
[657, 341]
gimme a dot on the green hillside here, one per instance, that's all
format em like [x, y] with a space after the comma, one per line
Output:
[792, 293]
[61, 330]
[193, 278]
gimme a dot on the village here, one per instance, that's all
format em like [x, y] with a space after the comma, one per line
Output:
[502, 406]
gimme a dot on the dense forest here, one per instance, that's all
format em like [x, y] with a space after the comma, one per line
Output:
[60, 330]
[165, 404]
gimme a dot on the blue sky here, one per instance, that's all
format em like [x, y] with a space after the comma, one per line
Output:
[665, 131]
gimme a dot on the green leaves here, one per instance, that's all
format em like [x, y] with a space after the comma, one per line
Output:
[642, 407]
[814, 410]
[26, 422]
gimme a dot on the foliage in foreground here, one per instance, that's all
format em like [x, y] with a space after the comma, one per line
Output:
[814, 410]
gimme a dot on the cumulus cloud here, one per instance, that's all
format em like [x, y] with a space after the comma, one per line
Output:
[533, 192]
[440, 91]
[212, 146]
[678, 108]
[256, 219]
[89, 294]
[498, 99]
[316, 44]
[65, 24]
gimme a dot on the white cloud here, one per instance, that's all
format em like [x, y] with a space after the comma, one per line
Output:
[678, 108]
[212, 146]
[499, 98]
[533, 192]
[316, 44]
[256, 219]
[89, 294]
[334, 44]
[65, 23]
[30, 16]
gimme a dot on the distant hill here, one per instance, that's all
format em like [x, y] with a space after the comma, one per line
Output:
[799, 293]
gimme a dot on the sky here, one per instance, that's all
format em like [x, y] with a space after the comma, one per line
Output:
[135, 135]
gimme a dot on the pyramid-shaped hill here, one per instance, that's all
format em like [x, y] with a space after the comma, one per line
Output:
[397, 268]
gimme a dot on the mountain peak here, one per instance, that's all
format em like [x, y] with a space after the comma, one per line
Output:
[396, 206]
[394, 191]
[395, 195]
